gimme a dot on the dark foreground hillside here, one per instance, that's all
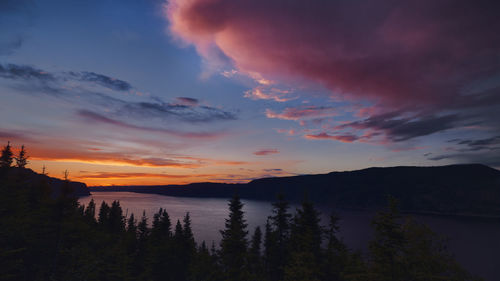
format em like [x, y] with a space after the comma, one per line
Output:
[472, 189]
[49, 237]
[28, 177]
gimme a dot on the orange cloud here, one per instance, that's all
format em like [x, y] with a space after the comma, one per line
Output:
[119, 175]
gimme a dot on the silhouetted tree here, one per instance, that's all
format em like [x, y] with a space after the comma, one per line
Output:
[116, 219]
[388, 244]
[142, 227]
[21, 158]
[103, 217]
[234, 243]
[205, 266]
[409, 251]
[89, 213]
[254, 256]
[132, 225]
[7, 157]
[305, 245]
[277, 237]
[337, 255]
[188, 234]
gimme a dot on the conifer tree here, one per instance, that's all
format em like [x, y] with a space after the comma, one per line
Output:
[178, 232]
[254, 255]
[116, 219]
[234, 243]
[188, 233]
[269, 251]
[142, 227]
[305, 245]
[132, 225]
[22, 158]
[89, 213]
[161, 224]
[278, 237]
[103, 218]
[388, 244]
[337, 255]
[189, 243]
[6, 157]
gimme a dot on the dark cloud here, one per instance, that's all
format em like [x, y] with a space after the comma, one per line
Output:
[25, 72]
[103, 80]
[491, 143]
[37, 81]
[342, 138]
[398, 128]
[486, 158]
[272, 170]
[33, 74]
[90, 116]
[187, 113]
[485, 151]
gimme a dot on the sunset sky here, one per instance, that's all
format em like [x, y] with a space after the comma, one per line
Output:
[167, 92]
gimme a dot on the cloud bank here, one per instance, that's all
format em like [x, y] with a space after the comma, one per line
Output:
[434, 63]
[396, 52]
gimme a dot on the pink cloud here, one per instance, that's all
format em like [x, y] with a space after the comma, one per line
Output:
[396, 53]
[302, 112]
[259, 93]
[264, 152]
[423, 58]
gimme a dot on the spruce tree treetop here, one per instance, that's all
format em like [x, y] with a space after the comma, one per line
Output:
[6, 157]
[142, 227]
[178, 232]
[281, 219]
[116, 218]
[234, 243]
[188, 233]
[22, 158]
[132, 224]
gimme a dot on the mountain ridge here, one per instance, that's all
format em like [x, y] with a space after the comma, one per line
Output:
[453, 189]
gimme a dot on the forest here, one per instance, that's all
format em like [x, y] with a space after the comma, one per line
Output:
[52, 237]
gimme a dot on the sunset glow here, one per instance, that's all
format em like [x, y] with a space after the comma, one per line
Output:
[228, 90]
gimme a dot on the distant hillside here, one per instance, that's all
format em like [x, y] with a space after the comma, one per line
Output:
[29, 178]
[456, 189]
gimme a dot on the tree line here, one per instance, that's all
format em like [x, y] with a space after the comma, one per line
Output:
[43, 237]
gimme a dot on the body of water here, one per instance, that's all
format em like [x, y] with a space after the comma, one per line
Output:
[475, 242]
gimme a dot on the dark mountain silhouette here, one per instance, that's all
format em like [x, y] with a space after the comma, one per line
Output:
[471, 189]
[30, 178]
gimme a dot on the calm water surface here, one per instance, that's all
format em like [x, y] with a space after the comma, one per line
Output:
[474, 242]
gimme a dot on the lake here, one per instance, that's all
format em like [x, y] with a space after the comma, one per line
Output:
[475, 242]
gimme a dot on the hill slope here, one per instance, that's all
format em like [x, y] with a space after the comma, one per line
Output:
[456, 189]
[30, 178]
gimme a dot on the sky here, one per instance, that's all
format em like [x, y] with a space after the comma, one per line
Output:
[135, 92]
